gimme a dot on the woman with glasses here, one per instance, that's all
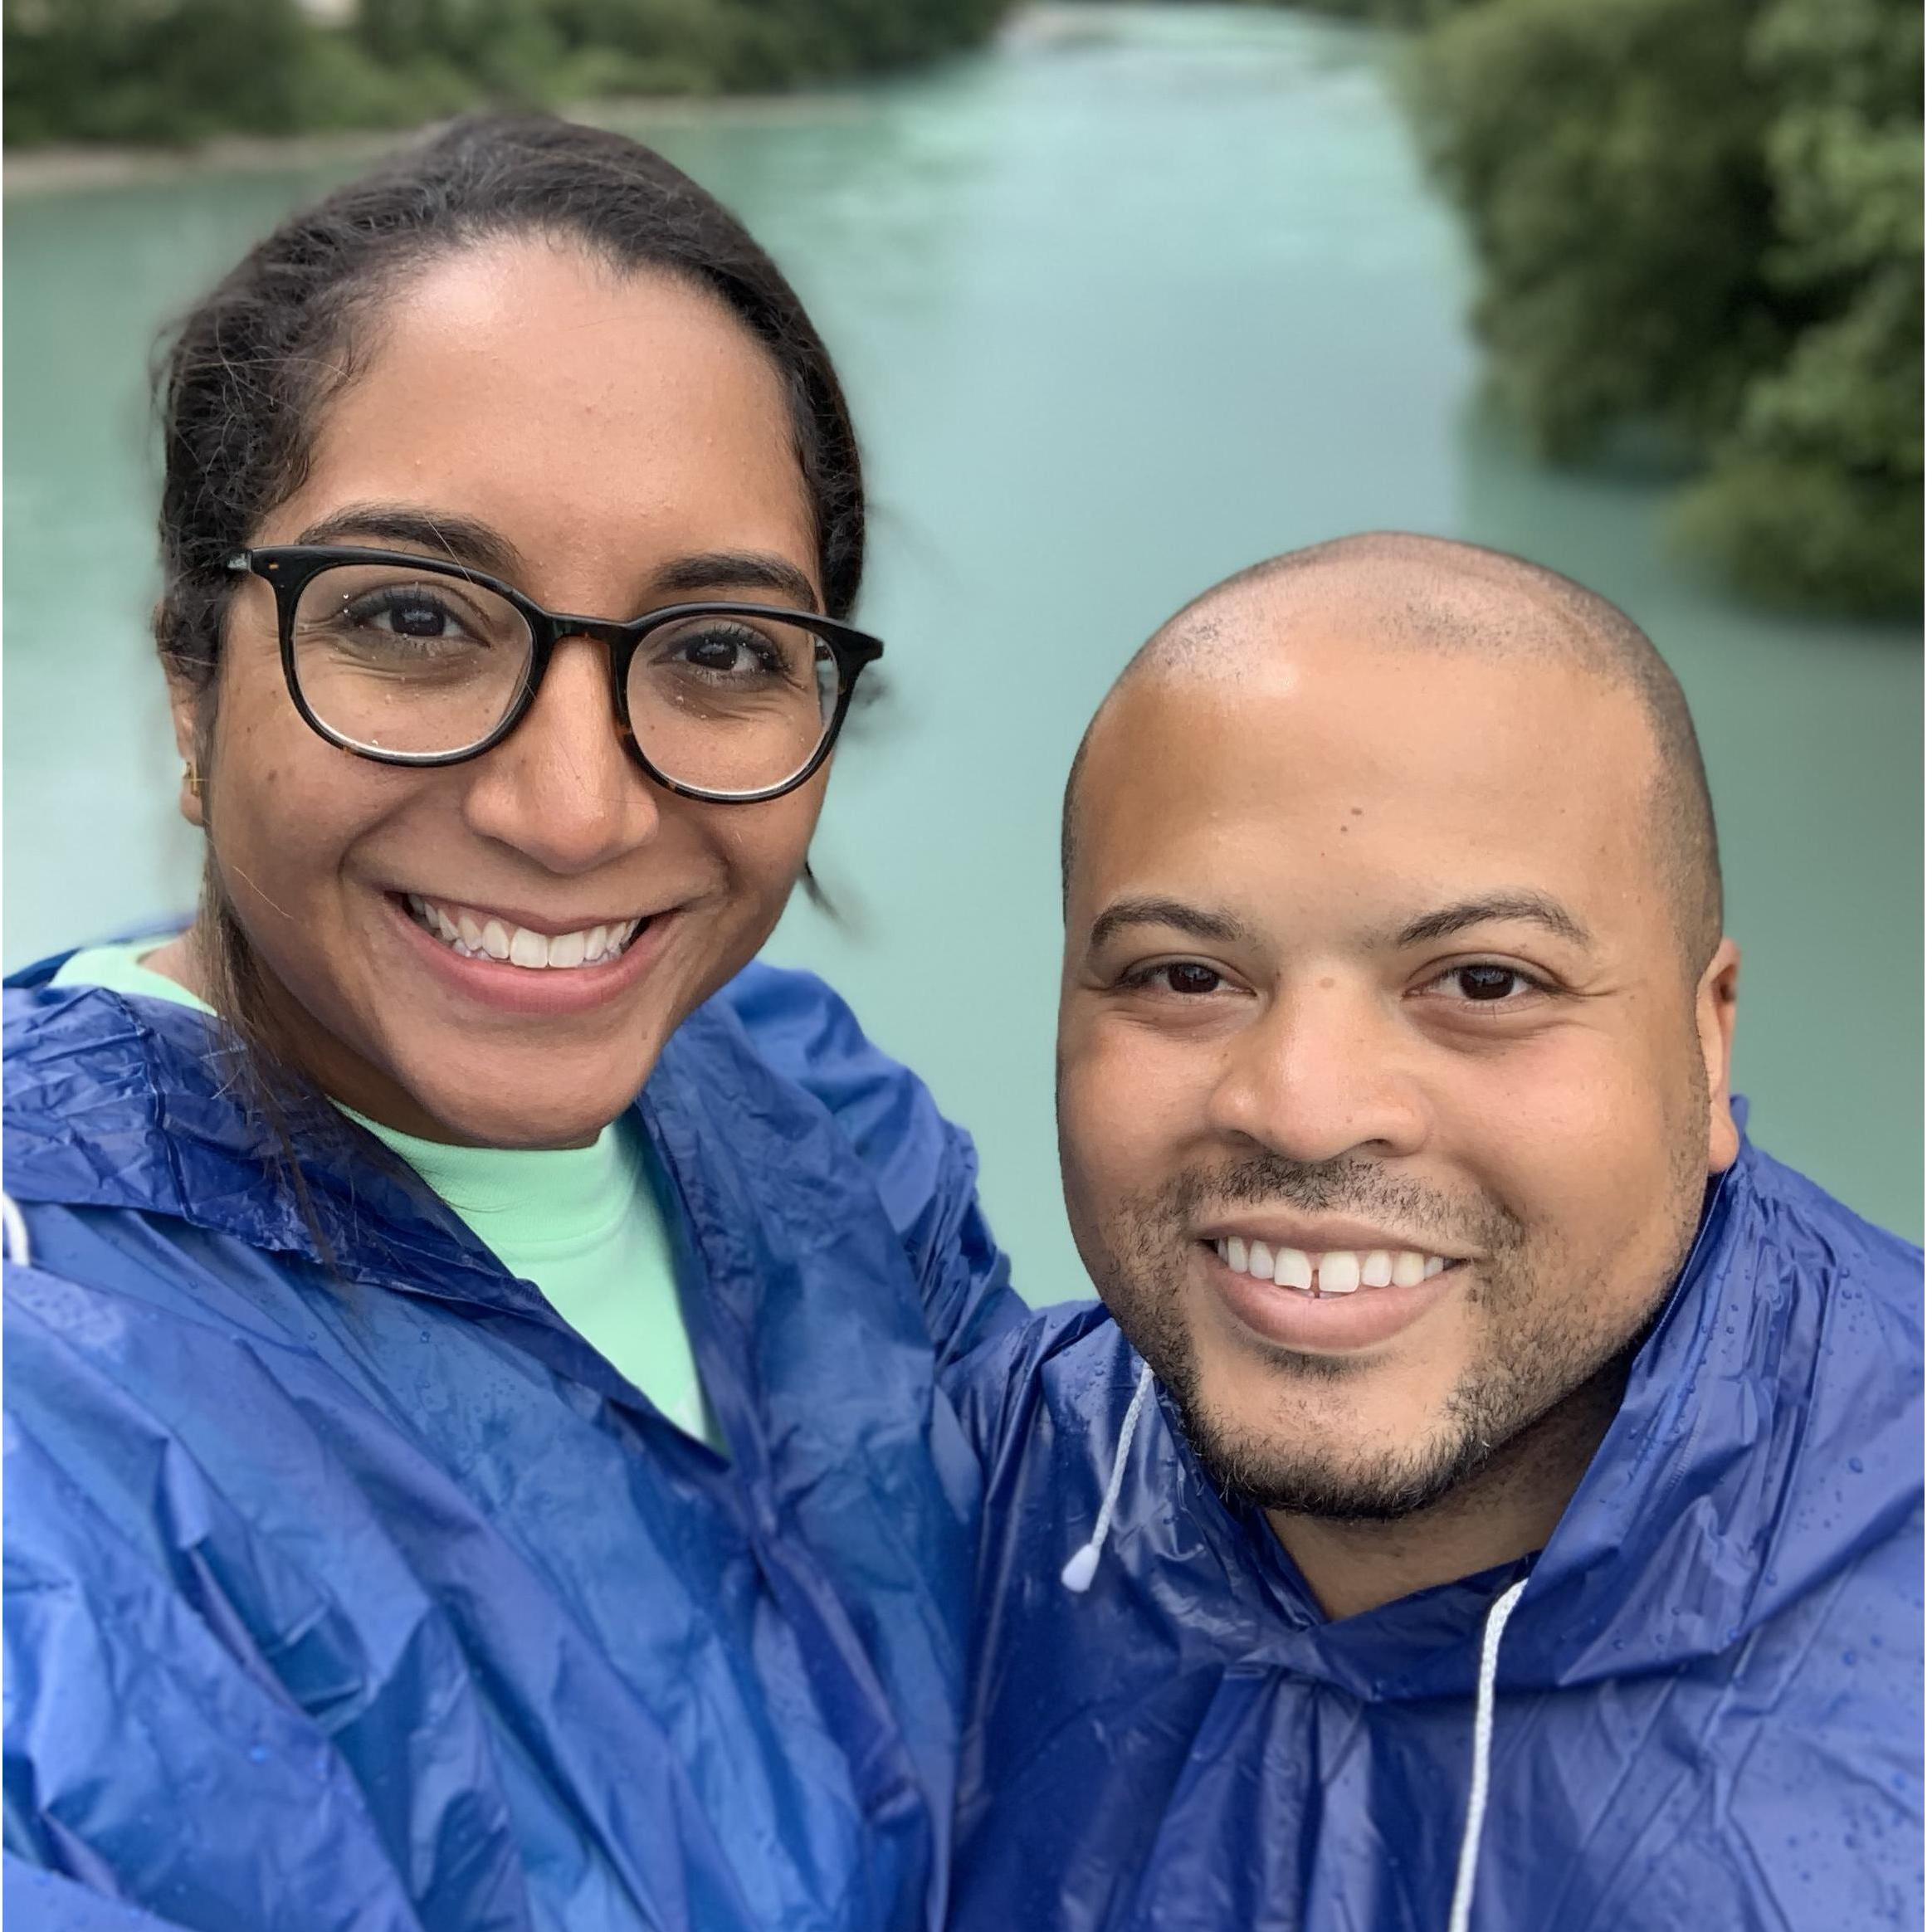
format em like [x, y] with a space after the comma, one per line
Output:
[473, 1457]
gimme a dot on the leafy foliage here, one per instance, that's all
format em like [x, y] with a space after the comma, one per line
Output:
[115, 71]
[1816, 492]
[1706, 215]
[181, 70]
[1701, 216]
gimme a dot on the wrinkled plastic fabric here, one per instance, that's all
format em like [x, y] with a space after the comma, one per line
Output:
[366, 1597]
[1709, 1714]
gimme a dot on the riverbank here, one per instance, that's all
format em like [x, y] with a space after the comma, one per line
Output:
[1119, 311]
[70, 167]
[76, 167]
[177, 74]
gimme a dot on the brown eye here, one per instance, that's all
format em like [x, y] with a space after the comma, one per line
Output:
[1184, 975]
[727, 653]
[1486, 983]
[419, 615]
[422, 619]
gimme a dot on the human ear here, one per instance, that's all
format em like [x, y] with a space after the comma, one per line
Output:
[185, 708]
[1717, 1019]
[188, 702]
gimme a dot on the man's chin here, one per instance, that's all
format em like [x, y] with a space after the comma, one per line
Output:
[1272, 1466]
[1336, 1483]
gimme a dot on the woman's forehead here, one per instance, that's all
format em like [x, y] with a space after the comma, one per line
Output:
[591, 419]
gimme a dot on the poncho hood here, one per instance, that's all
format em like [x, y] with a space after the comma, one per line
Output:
[358, 1543]
[1712, 1668]
[1754, 1456]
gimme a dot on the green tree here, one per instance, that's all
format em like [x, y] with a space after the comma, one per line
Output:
[1704, 215]
[1610, 168]
[179, 71]
[126, 71]
[1816, 495]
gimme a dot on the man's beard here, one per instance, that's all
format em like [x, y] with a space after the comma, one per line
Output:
[1546, 1332]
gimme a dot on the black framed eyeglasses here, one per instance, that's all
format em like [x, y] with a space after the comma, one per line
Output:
[412, 661]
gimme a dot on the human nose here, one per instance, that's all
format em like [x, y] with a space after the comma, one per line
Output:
[1321, 1073]
[561, 789]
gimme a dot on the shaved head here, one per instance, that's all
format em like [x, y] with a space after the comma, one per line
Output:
[1447, 597]
[1395, 1033]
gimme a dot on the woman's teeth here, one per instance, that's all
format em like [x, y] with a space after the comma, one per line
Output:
[477, 936]
[1341, 1271]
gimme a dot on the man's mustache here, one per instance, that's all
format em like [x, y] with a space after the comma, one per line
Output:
[1349, 1185]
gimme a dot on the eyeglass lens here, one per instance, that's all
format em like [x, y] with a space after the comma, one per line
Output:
[400, 662]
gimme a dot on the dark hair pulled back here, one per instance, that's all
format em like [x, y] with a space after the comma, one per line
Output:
[246, 377]
[248, 373]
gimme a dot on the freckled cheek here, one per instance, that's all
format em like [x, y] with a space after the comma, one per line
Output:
[293, 820]
[773, 859]
[761, 849]
[262, 750]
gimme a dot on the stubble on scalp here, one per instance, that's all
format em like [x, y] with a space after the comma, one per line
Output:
[1547, 1346]
[1437, 595]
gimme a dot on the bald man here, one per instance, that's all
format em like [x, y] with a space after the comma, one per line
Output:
[1489, 1492]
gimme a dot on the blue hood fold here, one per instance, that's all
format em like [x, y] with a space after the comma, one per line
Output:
[1708, 1693]
[348, 1586]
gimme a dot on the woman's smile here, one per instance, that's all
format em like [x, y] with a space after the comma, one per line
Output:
[528, 941]
[528, 1371]
[492, 951]
[614, 956]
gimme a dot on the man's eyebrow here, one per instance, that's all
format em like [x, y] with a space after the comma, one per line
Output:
[443, 534]
[1197, 922]
[738, 570]
[1538, 908]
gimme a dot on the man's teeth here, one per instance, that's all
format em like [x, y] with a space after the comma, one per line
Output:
[491, 939]
[1340, 1272]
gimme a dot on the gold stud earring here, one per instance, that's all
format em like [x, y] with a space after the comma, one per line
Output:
[191, 773]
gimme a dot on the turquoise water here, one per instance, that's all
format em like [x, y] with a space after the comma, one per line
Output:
[1134, 300]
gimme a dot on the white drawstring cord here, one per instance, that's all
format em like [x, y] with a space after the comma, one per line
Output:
[13, 1222]
[1479, 1777]
[1080, 1566]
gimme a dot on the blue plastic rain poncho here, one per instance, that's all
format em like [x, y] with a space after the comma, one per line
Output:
[368, 1599]
[1707, 1698]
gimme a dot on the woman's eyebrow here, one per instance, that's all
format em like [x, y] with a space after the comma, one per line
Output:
[462, 539]
[739, 570]
[441, 533]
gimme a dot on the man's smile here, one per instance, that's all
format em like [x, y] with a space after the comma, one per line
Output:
[1331, 1270]
[1334, 1300]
